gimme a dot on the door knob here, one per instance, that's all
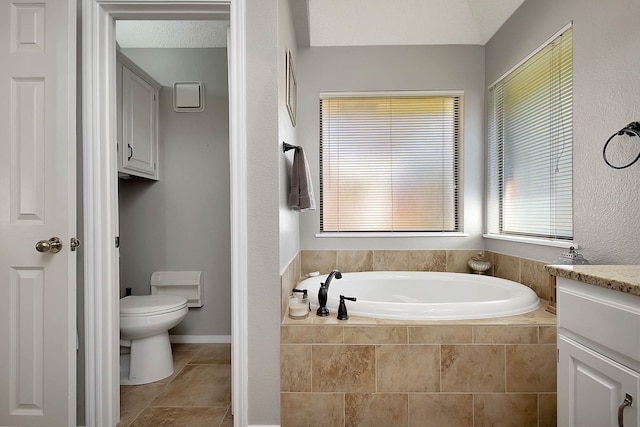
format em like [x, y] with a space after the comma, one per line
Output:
[53, 245]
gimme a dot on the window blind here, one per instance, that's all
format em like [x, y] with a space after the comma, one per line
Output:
[529, 180]
[390, 163]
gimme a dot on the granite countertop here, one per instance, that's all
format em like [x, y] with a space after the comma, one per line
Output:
[623, 278]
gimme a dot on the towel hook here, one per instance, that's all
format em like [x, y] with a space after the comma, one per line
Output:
[286, 147]
[632, 129]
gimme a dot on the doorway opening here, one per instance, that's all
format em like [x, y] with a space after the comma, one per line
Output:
[174, 207]
[100, 194]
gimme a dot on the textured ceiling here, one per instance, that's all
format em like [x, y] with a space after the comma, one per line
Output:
[346, 23]
[169, 34]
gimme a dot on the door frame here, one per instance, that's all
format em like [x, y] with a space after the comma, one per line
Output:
[100, 194]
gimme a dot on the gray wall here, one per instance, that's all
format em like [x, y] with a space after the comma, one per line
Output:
[606, 92]
[181, 222]
[396, 68]
[289, 219]
[264, 153]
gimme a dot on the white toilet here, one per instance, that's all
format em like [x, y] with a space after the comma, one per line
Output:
[145, 349]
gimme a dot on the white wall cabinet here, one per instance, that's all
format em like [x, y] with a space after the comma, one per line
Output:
[138, 97]
[598, 356]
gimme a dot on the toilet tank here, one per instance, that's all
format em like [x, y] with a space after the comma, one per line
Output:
[187, 284]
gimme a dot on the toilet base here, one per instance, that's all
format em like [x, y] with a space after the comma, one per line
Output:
[148, 360]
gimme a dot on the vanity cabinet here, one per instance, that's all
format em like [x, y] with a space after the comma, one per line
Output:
[598, 356]
[138, 97]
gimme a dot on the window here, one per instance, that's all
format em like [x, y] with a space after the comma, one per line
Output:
[529, 176]
[390, 162]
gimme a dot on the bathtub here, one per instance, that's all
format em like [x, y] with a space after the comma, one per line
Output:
[424, 295]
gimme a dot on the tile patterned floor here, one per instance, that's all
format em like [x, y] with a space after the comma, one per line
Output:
[197, 394]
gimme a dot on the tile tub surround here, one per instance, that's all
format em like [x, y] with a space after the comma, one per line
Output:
[374, 372]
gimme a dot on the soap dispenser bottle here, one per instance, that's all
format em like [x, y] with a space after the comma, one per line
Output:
[305, 297]
[299, 308]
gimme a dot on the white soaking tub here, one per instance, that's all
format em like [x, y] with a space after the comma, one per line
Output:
[412, 295]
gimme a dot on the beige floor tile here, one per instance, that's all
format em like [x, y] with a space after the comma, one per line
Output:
[203, 391]
[213, 354]
[135, 398]
[198, 385]
[180, 360]
[228, 419]
[180, 417]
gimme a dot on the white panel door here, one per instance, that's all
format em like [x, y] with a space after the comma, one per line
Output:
[37, 202]
[592, 389]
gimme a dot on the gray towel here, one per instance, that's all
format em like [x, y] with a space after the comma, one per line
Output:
[301, 194]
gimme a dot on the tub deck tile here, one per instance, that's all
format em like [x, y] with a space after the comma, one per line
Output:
[375, 335]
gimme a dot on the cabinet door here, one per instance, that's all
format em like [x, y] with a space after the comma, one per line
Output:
[592, 388]
[139, 126]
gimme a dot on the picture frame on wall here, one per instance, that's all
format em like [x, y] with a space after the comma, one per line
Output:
[292, 88]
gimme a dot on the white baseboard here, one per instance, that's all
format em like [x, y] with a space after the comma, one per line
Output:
[200, 339]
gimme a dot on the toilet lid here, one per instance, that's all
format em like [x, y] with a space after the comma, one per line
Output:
[150, 304]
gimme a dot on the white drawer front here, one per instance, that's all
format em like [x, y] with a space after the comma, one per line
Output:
[606, 317]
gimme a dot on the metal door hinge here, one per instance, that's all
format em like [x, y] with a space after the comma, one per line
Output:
[74, 244]
[117, 241]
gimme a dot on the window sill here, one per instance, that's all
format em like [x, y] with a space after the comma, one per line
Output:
[391, 234]
[533, 241]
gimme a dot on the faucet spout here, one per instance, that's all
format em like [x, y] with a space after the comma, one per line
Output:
[324, 292]
[334, 273]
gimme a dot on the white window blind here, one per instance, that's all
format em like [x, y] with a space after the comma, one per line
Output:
[390, 163]
[529, 179]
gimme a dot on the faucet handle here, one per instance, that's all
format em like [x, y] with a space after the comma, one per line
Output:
[342, 308]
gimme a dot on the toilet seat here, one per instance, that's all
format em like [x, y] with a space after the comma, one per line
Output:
[146, 305]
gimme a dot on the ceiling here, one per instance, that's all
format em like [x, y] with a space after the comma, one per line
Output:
[171, 34]
[400, 22]
[346, 23]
